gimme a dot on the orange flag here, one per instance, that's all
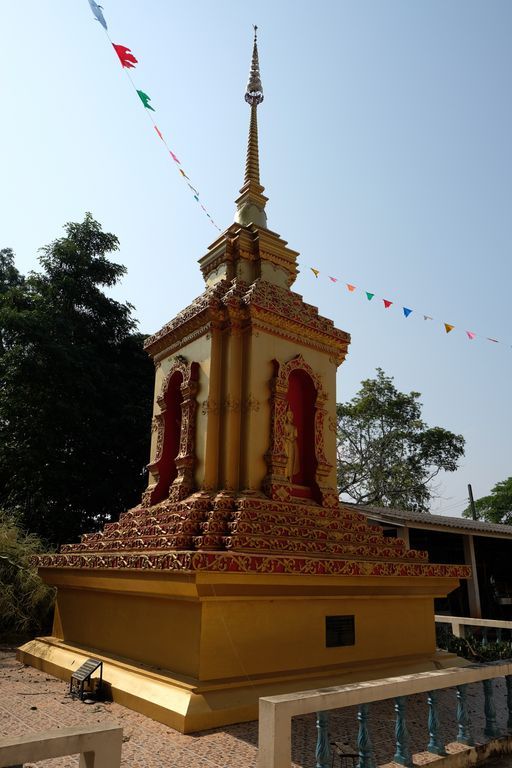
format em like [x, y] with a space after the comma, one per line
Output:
[351, 288]
[448, 327]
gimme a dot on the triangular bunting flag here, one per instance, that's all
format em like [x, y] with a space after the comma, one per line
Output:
[387, 303]
[174, 157]
[126, 57]
[494, 340]
[369, 296]
[183, 174]
[96, 9]
[194, 190]
[316, 272]
[158, 131]
[351, 288]
[407, 311]
[334, 279]
[448, 327]
[427, 317]
[145, 100]
[471, 335]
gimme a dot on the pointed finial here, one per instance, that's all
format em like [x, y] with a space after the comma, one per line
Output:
[251, 203]
[254, 90]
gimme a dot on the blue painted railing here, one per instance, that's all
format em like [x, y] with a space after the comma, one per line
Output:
[277, 712]
[403, 754]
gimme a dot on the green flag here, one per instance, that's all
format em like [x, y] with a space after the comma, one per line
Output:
[369, 296]
[145, 100]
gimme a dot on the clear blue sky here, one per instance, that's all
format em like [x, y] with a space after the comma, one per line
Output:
[385, 143]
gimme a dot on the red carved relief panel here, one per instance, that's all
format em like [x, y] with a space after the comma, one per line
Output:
[297, 388]
[173, 466]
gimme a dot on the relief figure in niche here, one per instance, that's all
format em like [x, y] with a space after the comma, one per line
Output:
[166, 464]
[300, 425]
[292, 446]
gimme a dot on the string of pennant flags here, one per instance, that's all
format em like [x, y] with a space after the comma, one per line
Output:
[128, 61]
[406, 311]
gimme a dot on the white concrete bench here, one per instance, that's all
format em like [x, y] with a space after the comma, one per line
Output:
[99, 746]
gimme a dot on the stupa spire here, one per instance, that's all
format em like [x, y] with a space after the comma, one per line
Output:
[251, 203]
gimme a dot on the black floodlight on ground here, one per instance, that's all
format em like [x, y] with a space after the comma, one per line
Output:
[83, 675]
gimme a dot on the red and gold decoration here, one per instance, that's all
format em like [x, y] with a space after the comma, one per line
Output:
[217, 588]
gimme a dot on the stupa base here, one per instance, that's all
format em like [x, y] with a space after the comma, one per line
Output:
[188, 705]
[196, 650]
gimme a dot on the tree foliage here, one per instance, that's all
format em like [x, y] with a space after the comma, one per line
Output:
[497, 506]
[75, 388]
[386, 454]
[25, 600]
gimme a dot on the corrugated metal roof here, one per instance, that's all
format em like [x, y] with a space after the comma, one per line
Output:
[427, 520]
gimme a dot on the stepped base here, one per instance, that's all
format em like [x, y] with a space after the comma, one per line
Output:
[197, 649]
[189, 705]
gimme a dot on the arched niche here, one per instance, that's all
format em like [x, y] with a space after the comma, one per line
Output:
[173, 467]
[296, 388]
[301, 398]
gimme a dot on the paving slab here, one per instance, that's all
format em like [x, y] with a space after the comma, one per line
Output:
[31, 701]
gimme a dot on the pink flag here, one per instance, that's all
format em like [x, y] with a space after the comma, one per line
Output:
[334, 279]
[471, 335]
[158, 131]
[174, 157]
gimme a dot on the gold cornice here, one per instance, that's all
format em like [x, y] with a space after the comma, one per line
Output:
[251, 244]
[276, 309]
[295, 333]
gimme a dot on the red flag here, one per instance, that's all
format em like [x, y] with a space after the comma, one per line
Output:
[158, 131]
[126, 57]
[387, 303]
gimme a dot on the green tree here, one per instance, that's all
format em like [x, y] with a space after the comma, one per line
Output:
[386, 454]
[75, 389]
[497, 506]
[25, 600]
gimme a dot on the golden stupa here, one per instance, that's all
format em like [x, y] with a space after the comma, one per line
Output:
[241, 574]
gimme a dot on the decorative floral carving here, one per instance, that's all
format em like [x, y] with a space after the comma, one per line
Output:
[183, 484]
[251, 404]
[252, 563]
[276, 483]
[210, 406]
[231, 404]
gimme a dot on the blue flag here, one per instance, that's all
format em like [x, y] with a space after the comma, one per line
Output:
[97, 10]
[407, 312]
